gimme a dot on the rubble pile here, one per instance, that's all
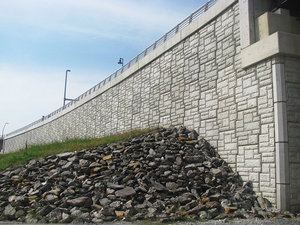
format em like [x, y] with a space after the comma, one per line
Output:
[168, 174]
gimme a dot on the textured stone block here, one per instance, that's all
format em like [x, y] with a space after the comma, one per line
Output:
[252, 163]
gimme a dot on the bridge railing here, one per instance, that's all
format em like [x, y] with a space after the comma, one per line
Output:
[148, 50]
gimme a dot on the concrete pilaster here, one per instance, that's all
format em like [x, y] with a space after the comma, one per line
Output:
[281, 137]
[247, 23]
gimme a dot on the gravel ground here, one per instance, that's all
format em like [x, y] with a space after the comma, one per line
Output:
[294, 221]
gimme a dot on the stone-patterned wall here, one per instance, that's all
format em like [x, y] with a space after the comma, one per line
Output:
[292, 73]
[198, 83]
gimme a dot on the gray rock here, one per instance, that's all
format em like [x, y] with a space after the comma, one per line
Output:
[170, 158]
[110, 191]
[193, 135]
[21, 201]
[83, 163]
[264, 203]
[65, 155]
[171, 186]
[115, 204]
[20, 213]
[105, 202]
[9, 211]
[76, 212]
[152, 152]
[95, 164]
[126, 192]
[212, 213]
[178, 160]
[203, 215]
[67, 165]
[11, 198]
[216, 172]
[158, 186]
[81, 202]
[196, 209]
[115, 186]
[152, 164]
[45, 210]
[151, 212]
[55, 215]
[107, 211]
[30, 219]
[167, 173]
[66, 218]
[51, 198]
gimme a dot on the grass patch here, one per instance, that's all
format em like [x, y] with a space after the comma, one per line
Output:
[41, 151]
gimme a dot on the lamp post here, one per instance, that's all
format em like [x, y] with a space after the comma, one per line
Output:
[66, 87]
[3, 136]
[3, 129]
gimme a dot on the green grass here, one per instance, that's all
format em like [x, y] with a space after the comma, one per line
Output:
[42, 151]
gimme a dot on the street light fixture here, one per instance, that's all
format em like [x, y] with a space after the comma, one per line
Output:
[66, 99]
[121, 61]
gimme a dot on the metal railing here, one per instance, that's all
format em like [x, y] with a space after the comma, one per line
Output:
[148, 50]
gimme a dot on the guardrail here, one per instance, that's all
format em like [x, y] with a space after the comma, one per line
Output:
[157, 43]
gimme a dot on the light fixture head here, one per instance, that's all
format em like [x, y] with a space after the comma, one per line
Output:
[121, 61]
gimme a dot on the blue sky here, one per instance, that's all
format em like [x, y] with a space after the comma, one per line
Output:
[40, 39]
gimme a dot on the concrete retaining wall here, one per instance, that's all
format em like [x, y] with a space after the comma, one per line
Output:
[197, 79]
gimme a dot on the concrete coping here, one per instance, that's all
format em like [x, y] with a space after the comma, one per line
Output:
[278, 43]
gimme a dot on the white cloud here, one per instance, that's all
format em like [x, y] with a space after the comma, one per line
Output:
[90, 16]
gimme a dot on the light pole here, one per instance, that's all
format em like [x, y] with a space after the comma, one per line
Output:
[3, 136]
[3, 129]
[66, 99]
